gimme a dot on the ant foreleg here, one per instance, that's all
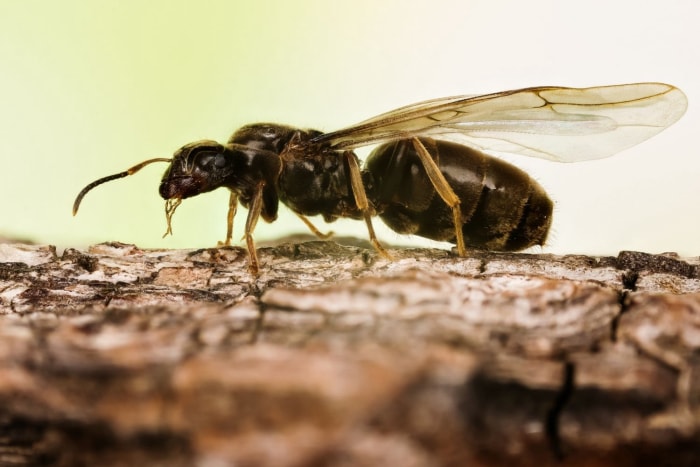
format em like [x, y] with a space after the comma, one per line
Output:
[232, 208]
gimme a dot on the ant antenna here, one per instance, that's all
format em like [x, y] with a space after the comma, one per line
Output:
[109, 178]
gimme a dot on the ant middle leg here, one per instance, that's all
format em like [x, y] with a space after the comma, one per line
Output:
[358, 191]
[254, 211]
[313, 228]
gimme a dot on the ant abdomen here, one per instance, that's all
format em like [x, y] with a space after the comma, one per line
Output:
[502, 207]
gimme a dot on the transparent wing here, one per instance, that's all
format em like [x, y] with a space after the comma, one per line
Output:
[556, 123]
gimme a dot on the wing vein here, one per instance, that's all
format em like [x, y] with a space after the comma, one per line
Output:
[556, 123]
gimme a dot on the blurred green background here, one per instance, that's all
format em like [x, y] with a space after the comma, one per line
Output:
[89, 88]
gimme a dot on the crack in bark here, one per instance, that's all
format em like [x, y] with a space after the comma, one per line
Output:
[554, 414]
[615, 322]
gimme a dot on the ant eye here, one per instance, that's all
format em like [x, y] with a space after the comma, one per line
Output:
[204, 160]
[211, 160]
[219, 161]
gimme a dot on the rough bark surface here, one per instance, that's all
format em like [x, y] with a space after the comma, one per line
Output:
[336, 357]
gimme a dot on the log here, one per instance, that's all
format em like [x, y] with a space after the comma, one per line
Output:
[334, 356]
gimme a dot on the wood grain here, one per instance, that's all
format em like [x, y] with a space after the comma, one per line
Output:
[334, 356]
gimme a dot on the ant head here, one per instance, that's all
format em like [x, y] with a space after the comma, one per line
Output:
[196, 168]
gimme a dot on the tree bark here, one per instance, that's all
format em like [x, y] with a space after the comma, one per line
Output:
[334, 356]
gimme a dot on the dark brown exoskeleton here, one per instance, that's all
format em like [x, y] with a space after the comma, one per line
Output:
[415, 181]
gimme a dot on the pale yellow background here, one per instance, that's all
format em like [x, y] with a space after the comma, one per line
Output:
[88, 88]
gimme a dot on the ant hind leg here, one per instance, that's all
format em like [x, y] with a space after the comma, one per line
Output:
[443, 189]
